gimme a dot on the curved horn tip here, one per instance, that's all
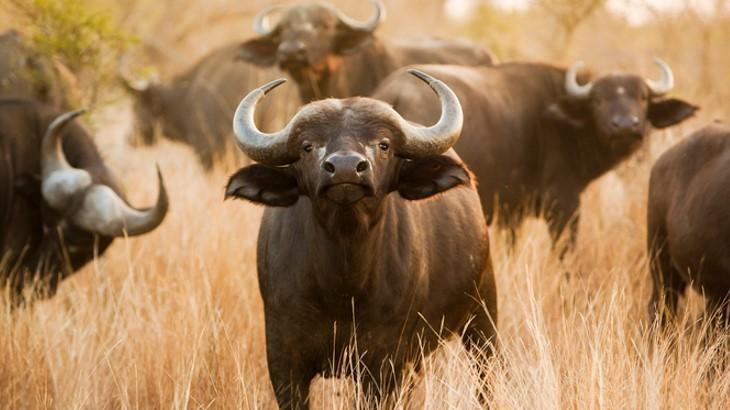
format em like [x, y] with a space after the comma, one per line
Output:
[422, 76]
[68, 116]
[62, 120]
[161, 182]
[266, 88]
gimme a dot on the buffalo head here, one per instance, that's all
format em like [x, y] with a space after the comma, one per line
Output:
[307, 39]
[620, 108]
[348, 155]
[76, 201]
[149, 102]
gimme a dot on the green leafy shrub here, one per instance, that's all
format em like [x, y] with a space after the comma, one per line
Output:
[84, 39]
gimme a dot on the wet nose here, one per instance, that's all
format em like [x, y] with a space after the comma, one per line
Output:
[625, 122]
[345, 166]
[292, 51]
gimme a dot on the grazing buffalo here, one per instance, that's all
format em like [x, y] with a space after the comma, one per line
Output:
[331, 55]
[535, 137]
[348, 252]
[26, 74]
[60, 206]
[688, 220]
[196, 108]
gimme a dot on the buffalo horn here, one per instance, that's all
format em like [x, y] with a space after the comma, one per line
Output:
[422, 141]
[665, 83]
[92, 207]
[571, 82]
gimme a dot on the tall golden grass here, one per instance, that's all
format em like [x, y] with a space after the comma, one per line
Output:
[174, 319]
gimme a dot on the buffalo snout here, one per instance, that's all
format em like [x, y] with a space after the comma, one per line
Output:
[292, 54]
[626, 124]
[346, 177]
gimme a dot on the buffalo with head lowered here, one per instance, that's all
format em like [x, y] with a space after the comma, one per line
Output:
[196, 107]
[373, 234]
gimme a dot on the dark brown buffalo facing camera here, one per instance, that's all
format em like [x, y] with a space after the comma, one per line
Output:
[329, 54]
[535, 137]
[371, 222]
[59, 203]
[688, 221]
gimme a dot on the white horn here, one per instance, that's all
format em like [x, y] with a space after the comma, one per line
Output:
[665, 83]
[571, 82]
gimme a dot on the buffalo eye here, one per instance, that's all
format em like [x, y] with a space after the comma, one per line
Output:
[384, 145]
[307, 147]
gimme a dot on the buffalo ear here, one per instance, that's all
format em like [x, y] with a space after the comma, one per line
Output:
[669, 112]
[569, 111]
[425, 177]
[349, 40]
[266, 185]
[260, 51]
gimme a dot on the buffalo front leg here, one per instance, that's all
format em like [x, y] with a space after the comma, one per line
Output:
[562, 218]
[291, 372]
[668, 284]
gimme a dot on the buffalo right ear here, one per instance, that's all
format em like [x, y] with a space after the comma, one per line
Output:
[266, 185]
[260, 51]
[569, 111]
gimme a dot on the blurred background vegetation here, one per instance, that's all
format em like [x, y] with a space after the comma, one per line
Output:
[89, 36]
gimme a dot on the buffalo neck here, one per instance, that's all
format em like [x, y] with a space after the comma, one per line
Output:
[345, 241]
[357, 73]
[589, 156]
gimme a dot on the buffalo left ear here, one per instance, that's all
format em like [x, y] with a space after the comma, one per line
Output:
[266, 185]
[568, 111]
[260, 51]
[422, 178]
[349, 40]
[665, 113]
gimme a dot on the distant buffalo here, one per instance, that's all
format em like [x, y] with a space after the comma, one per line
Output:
[535, 137]
[60, 205]
[348, 252]
[25, 73]
[688, 220]
[196, 107]
[329, 54]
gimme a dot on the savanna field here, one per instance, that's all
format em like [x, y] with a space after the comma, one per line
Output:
[174, 319]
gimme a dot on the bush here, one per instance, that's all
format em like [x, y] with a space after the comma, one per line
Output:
[71, 32]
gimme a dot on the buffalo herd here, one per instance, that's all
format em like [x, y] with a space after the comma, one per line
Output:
[380, 170]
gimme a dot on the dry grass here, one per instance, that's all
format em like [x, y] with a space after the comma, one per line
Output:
[174, 319]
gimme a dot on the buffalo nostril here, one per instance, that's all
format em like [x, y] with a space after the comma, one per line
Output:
[362, 166]
[329, 167]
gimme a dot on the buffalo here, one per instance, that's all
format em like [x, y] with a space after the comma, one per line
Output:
[24, 73]
[196, 107]
[60, 205]
[329, 54]
[688, 221]
[535, 136]
[348, 250]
